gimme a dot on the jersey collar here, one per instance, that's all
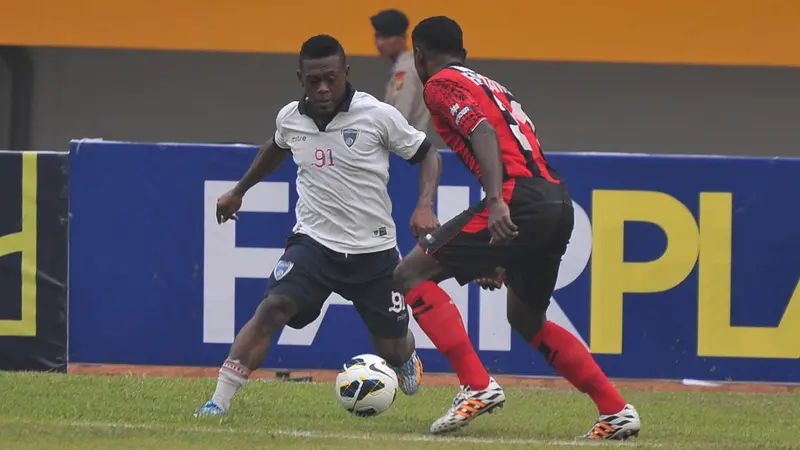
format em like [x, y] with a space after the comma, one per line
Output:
[452, 65]
[455, 64]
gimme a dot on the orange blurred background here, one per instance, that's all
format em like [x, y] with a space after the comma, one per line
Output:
[727, 32]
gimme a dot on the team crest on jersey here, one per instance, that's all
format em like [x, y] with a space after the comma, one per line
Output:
[349, 135]
[282, 268]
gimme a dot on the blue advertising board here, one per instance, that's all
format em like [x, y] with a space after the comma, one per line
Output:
[679, 266]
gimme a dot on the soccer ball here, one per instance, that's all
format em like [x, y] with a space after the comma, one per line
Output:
[366, 386]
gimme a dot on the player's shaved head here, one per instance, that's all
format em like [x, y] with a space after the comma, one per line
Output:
[321, 46]
[323, 73]
[439, 34]
[438, 41]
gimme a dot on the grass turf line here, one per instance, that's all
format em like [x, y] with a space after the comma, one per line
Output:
[44, 411]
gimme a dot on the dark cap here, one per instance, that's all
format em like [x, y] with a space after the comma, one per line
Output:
[390, 22]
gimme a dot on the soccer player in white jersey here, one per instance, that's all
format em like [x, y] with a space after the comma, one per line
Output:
[344, 240]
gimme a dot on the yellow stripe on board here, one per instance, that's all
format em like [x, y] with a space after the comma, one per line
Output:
[24, 242]
[735, 32]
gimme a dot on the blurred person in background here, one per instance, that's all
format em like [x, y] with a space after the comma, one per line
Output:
[403, 89]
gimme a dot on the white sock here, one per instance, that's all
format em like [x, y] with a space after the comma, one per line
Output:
[232, 377]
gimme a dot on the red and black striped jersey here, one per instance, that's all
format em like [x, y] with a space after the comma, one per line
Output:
[460, 98]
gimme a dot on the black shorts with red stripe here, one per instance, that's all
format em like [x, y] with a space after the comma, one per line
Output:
[542, 211]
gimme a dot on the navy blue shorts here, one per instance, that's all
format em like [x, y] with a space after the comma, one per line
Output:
[309, 272]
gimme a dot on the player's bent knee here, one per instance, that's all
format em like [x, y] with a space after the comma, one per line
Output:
[274, 312]
[524, 319]
[521, 322]
[404, 278]
[416, 268]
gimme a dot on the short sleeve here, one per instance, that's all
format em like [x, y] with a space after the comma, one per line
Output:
[454, 103]
[399, 136]
[280, 139]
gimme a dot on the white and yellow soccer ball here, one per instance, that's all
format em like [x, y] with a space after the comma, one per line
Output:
[366, 386]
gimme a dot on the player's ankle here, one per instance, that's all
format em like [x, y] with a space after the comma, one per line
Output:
[232, 378]
[408, 364]
[604, 395]
[481, 386]
[235, 368]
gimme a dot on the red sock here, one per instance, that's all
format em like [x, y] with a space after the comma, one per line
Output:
[565, 353]
[439, 318]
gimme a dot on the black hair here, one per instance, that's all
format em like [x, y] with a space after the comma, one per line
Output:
[390, 22]
[321, 46]
[440, 34]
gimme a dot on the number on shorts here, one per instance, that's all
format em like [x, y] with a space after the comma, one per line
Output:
[398, 303]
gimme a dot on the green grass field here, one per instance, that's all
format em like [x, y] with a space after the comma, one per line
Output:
[49, 411]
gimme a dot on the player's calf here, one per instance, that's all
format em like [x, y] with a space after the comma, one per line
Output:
[562, 351]
[400, 354]
[438, 316]
[251, 344]
[570, 358]
[248, 351]
[524, 320]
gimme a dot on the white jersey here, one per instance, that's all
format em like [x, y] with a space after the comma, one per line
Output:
[342, 171]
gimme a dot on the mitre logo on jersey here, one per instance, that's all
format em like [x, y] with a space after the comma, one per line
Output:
[282, 268]
[349, 135]
[454, 108]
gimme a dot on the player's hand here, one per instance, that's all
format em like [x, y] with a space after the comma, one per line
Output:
[491, 282]
[500, 225]
[227, 205]
[423, 221]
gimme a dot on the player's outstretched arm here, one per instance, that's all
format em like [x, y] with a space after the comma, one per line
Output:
[430, 172]
[424, 220]
[487, 152]
[453, 103]
[267, 160]
[402, 139]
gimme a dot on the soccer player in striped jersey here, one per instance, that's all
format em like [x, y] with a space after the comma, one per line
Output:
[522, 225]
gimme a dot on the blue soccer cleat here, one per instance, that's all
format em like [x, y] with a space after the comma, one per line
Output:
[409, 375]
[209, 409]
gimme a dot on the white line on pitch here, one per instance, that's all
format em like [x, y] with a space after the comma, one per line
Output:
[344, 436]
